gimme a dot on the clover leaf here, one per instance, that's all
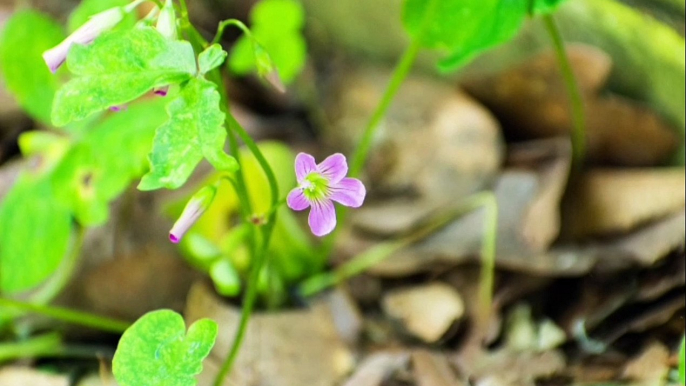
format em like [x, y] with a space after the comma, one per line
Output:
[157, 351]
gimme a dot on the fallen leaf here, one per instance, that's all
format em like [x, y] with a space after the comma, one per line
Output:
[432, 369]
[650, 367]
[14, 376]
[607, 201]
[376, 368]
[426, 311]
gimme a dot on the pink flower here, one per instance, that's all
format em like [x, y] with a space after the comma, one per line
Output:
[319, 186]
[96, 25]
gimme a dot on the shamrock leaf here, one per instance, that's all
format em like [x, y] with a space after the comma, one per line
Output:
[26, 35]
[194, 130]
[118, 67]
[157, 351]
[34, 234]
[463, 28]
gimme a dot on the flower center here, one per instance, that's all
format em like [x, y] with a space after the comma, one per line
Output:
[315, 186]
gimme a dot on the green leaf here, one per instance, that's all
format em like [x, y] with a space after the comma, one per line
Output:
[118, 67]
[211, 58]
[34, 234]
[276, 28]
[26, 36]
[88, 8]
[106, 160]
[463, 28]
[194, 130]
[545, 6]
[157, 351]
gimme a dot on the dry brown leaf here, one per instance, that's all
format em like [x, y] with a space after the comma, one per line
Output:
[507, 368]
[426, 311]
[433, 369]
[609, 201]
[650, 367]
[287, 348]
[378, 367]
[442, 145]
[533, 101]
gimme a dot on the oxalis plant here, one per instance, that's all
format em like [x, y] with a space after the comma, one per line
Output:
[145, 101]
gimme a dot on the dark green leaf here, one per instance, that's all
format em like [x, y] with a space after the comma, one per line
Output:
[157, 351]
[26, 36]
[34, 234]
[463, 28]
[118, 67]
[88, 8]
[194, 130]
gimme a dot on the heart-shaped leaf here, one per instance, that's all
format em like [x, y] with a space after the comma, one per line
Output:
[157, 351]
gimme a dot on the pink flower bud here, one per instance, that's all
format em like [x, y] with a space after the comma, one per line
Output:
[85, 34]
[195, 207]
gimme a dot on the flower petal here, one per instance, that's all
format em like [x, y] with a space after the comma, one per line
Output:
[334, 167]
[296, 200]
[57, 55]
[322, 218]
[304, 165]
[348, 192]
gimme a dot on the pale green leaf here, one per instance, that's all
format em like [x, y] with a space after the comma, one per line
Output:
[211, 58]
[26, 36]
[118, 67]
[106, 160]
[157, 351]
[682, 361]
[34, 234]
[194, 130]
[88, 8]
[463, 28]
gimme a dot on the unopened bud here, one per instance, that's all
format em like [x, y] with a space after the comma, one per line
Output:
[195, 207]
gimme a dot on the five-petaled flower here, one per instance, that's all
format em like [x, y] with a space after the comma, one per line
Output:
[319, 186]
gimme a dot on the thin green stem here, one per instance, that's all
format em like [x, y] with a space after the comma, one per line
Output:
[39, 346]
[230, 22]
[402, 69]
[400, 72]
[488, 202]
[575, 98]
[68, 316]
[260, 255]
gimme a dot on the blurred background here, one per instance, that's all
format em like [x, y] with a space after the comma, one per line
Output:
[590, 262]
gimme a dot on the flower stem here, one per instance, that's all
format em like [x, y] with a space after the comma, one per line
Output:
[230, 22]
[260, 256]
[575, 98]
[400, 72]
[43, 345]
[488, 202]
[70, 316]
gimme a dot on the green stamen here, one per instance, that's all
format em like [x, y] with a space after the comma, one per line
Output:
[315, 186]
